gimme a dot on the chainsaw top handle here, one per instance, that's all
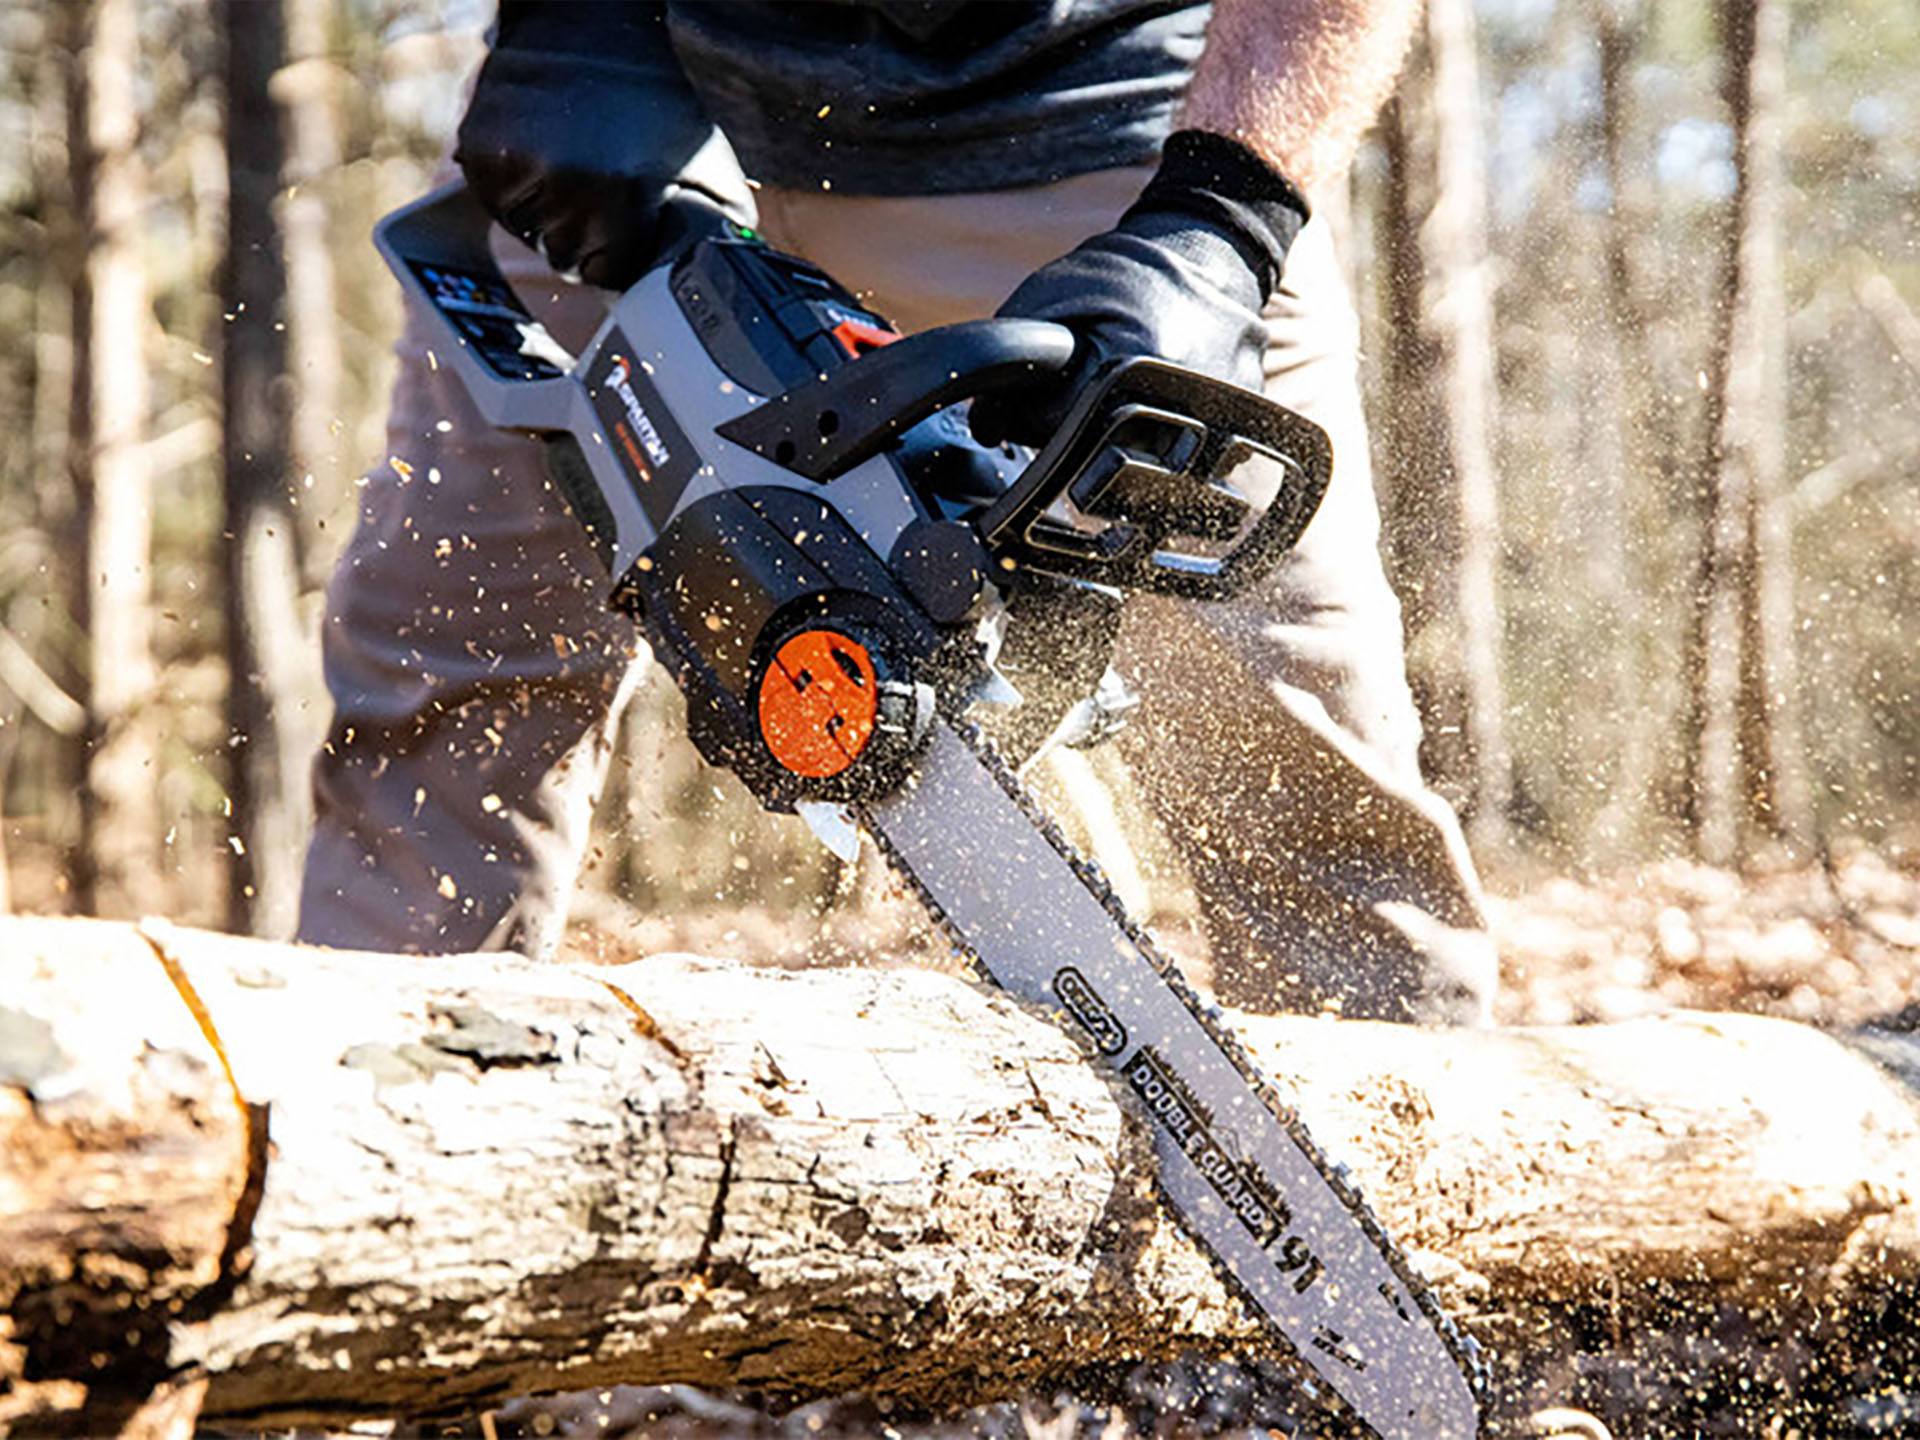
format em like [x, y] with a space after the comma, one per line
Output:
[824, 427]
[1167, 480]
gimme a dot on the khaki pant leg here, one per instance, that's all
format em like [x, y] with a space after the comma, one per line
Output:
[476, 676]
[1278, 742]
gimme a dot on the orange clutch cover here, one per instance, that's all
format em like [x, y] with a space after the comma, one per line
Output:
[818, 701]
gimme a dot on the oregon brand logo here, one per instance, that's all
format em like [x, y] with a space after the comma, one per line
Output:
[1083, 1002]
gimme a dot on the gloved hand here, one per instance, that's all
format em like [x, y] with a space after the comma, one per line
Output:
[581, 126]
[1183, 277]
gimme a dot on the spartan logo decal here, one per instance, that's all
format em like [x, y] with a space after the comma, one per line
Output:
[640, 430]
[641, 423]
[1083, 1002]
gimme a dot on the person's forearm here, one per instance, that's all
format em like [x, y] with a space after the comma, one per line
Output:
[1299, 81]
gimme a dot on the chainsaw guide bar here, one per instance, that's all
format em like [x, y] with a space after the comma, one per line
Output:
[1283, 1226]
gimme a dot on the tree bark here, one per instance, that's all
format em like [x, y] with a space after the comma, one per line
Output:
[117, 858]
[126, 1156]
[267, 780]
[434, 1182]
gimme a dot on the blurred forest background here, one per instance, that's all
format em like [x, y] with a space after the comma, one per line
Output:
[1640, 283]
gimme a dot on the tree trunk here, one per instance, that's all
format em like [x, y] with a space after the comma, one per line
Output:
[497, 1177]
[116, 867]
[1419, 526]
[126, 1161]
[52, 763]
[1777, 791]
[264, 637]
[307, 89]
[52, 137]
[1439, 511]
[1412, 531]
[1652, 474]
[1752, 766]
[1460, 312]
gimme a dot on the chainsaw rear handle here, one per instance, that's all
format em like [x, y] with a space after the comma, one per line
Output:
[438, 249]
[818, 429]
[824, 427]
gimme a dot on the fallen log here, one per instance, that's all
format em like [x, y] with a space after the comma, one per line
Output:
[323, 1185]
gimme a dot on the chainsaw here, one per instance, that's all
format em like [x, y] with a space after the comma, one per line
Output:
[789, 502]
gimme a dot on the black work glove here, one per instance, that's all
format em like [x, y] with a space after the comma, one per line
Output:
[581, 126]
[1183, 277]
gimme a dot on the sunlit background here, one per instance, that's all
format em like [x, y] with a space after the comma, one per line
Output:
[1662, 625]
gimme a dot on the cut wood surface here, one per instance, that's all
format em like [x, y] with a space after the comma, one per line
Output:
[472, 1177]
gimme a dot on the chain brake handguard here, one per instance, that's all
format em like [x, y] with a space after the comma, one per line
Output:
[1138, 487]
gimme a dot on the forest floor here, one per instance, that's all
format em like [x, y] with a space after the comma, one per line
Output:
[1834, 944]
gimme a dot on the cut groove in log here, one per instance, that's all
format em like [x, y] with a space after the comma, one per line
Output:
[485, 1177]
